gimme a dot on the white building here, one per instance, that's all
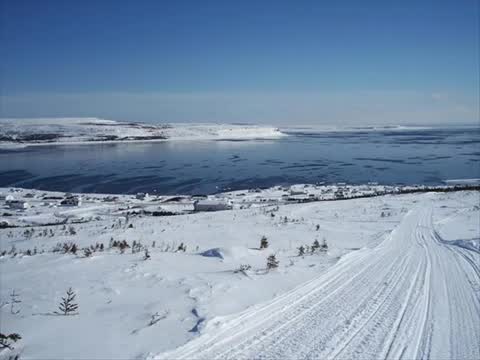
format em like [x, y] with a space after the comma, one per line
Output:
[211, 205]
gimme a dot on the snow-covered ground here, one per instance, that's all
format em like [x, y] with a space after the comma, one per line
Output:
[400, 276]
[15, 132]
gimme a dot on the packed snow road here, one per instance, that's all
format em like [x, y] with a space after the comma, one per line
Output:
[413, 296]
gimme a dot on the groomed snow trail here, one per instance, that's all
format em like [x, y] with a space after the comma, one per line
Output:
[413, 296]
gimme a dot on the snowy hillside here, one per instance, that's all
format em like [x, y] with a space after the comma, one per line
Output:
[85, 130]
[390, 276]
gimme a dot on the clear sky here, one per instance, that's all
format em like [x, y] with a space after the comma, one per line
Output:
[286, 62]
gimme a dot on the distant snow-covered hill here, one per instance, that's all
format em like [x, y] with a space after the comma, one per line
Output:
[85, 130]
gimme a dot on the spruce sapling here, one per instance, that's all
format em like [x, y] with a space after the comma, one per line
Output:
[146, 255]
[324, 246]
[301, 251]
[68, 306]
[263, 242]
[272, 262]
[14, 299]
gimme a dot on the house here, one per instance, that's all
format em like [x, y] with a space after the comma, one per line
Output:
[4, 224]
[142, 196]
[71, 201]
[339, 194]
[211, 205]
[18, 204]
[296, 192]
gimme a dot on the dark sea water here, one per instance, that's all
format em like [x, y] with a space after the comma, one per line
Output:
[387, 157]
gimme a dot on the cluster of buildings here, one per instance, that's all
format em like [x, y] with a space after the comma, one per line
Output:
[12, 203]
[21, 204]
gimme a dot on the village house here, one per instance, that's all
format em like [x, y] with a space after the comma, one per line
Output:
[294, 191]
[211, 205]
[142, 196]
[71, 200]
[339, 194]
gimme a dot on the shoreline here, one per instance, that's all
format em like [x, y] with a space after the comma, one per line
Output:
[48, 208]
[8, 146]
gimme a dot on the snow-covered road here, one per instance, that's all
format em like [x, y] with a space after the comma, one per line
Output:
[413, 296]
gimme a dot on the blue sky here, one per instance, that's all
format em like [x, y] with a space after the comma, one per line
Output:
[316, 62]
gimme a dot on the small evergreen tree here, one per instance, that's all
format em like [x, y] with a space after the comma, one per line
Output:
[315, 246]
[123, 245]
[155, 318]
[146, 255]
[272, 262]
[324, 246]
[243, 269]
[74, 249]
[263, 242]
[13, 251]
[182, 247]
[301, 251]
[14, 299]
[68, 306]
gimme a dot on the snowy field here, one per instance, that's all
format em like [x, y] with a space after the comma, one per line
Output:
[398, 275]
[17, 132]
